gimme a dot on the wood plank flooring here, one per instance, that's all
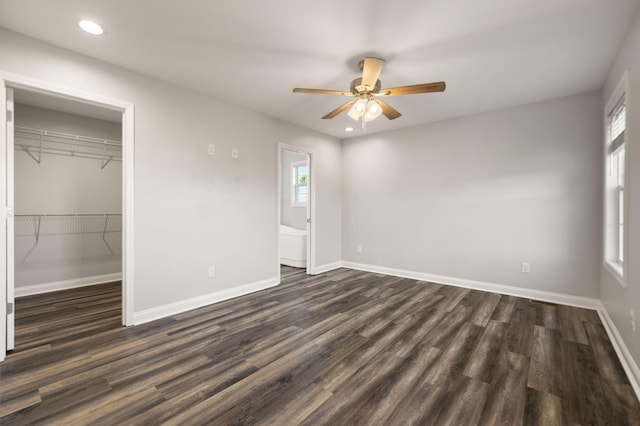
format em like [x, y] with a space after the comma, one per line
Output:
[345, 347]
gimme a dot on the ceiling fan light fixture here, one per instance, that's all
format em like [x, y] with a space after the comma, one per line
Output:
[358, 109]
[372, 111]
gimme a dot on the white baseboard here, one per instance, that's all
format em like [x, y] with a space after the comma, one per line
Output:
[326, 268]
[66, 284]
[544, 296]
[200, 301]
[627, 361]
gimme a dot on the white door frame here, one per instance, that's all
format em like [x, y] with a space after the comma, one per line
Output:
[311, 206]
[16, 81]
[8, 227]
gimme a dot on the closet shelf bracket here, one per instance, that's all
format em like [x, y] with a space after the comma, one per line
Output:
[104, 232]
[31, 152]
[36, 227]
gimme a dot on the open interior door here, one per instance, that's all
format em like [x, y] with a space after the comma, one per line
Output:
[310, 184]
[9, 223]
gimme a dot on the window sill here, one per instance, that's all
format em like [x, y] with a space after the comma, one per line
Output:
[616, 270]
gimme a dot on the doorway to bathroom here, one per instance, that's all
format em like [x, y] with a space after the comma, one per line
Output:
[296, 199]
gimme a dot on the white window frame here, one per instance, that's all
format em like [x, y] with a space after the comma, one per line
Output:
[615, 207]
[294, 184]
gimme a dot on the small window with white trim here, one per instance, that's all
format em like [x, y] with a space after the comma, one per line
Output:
[614, 186]
[299, 184]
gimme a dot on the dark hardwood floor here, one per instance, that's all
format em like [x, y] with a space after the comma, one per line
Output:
[345, 347]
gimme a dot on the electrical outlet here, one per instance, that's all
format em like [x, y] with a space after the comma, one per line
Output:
[212, 271]
[211, 149]
[234, 153]
[526, 268]
[359, 248]
[632, 315]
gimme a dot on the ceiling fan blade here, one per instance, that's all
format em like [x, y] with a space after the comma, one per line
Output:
[387, 110]
[417, 88]
[371, 69]
[339, 110]
[322, 91]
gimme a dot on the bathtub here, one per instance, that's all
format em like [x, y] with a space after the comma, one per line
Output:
[293, 246]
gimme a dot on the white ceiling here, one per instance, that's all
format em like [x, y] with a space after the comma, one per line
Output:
[491, 53]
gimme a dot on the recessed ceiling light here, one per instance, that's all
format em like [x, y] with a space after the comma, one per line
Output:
[348, 129]
[91, 27]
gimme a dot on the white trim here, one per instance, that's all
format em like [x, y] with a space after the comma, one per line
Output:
[18, 81]
[618, 93]
[30, 290]
[544, 296]
[616, 271]
[200, 301]
[10, 222]
[279, 208]
[3, 225]
[128, 135]
[626, 359]
[311, 205]
[326, 268]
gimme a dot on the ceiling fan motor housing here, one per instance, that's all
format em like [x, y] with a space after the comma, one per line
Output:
[357, 88]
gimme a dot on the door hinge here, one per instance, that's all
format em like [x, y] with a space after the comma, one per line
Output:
[309, 220]
[9, 116]
[9, 308]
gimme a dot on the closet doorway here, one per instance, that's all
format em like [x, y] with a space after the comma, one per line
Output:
[68, 199]
[296, 203]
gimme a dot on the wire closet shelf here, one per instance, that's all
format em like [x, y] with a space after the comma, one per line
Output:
[36, 142]
[55, 225]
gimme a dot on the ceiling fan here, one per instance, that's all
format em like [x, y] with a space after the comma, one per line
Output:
[367, 91]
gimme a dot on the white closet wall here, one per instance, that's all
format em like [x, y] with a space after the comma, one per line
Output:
[62, 248]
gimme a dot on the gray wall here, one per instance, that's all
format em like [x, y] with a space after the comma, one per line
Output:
[193, 210]
[296, 217]
[474, 197]
[618, 300]
[67, 248]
